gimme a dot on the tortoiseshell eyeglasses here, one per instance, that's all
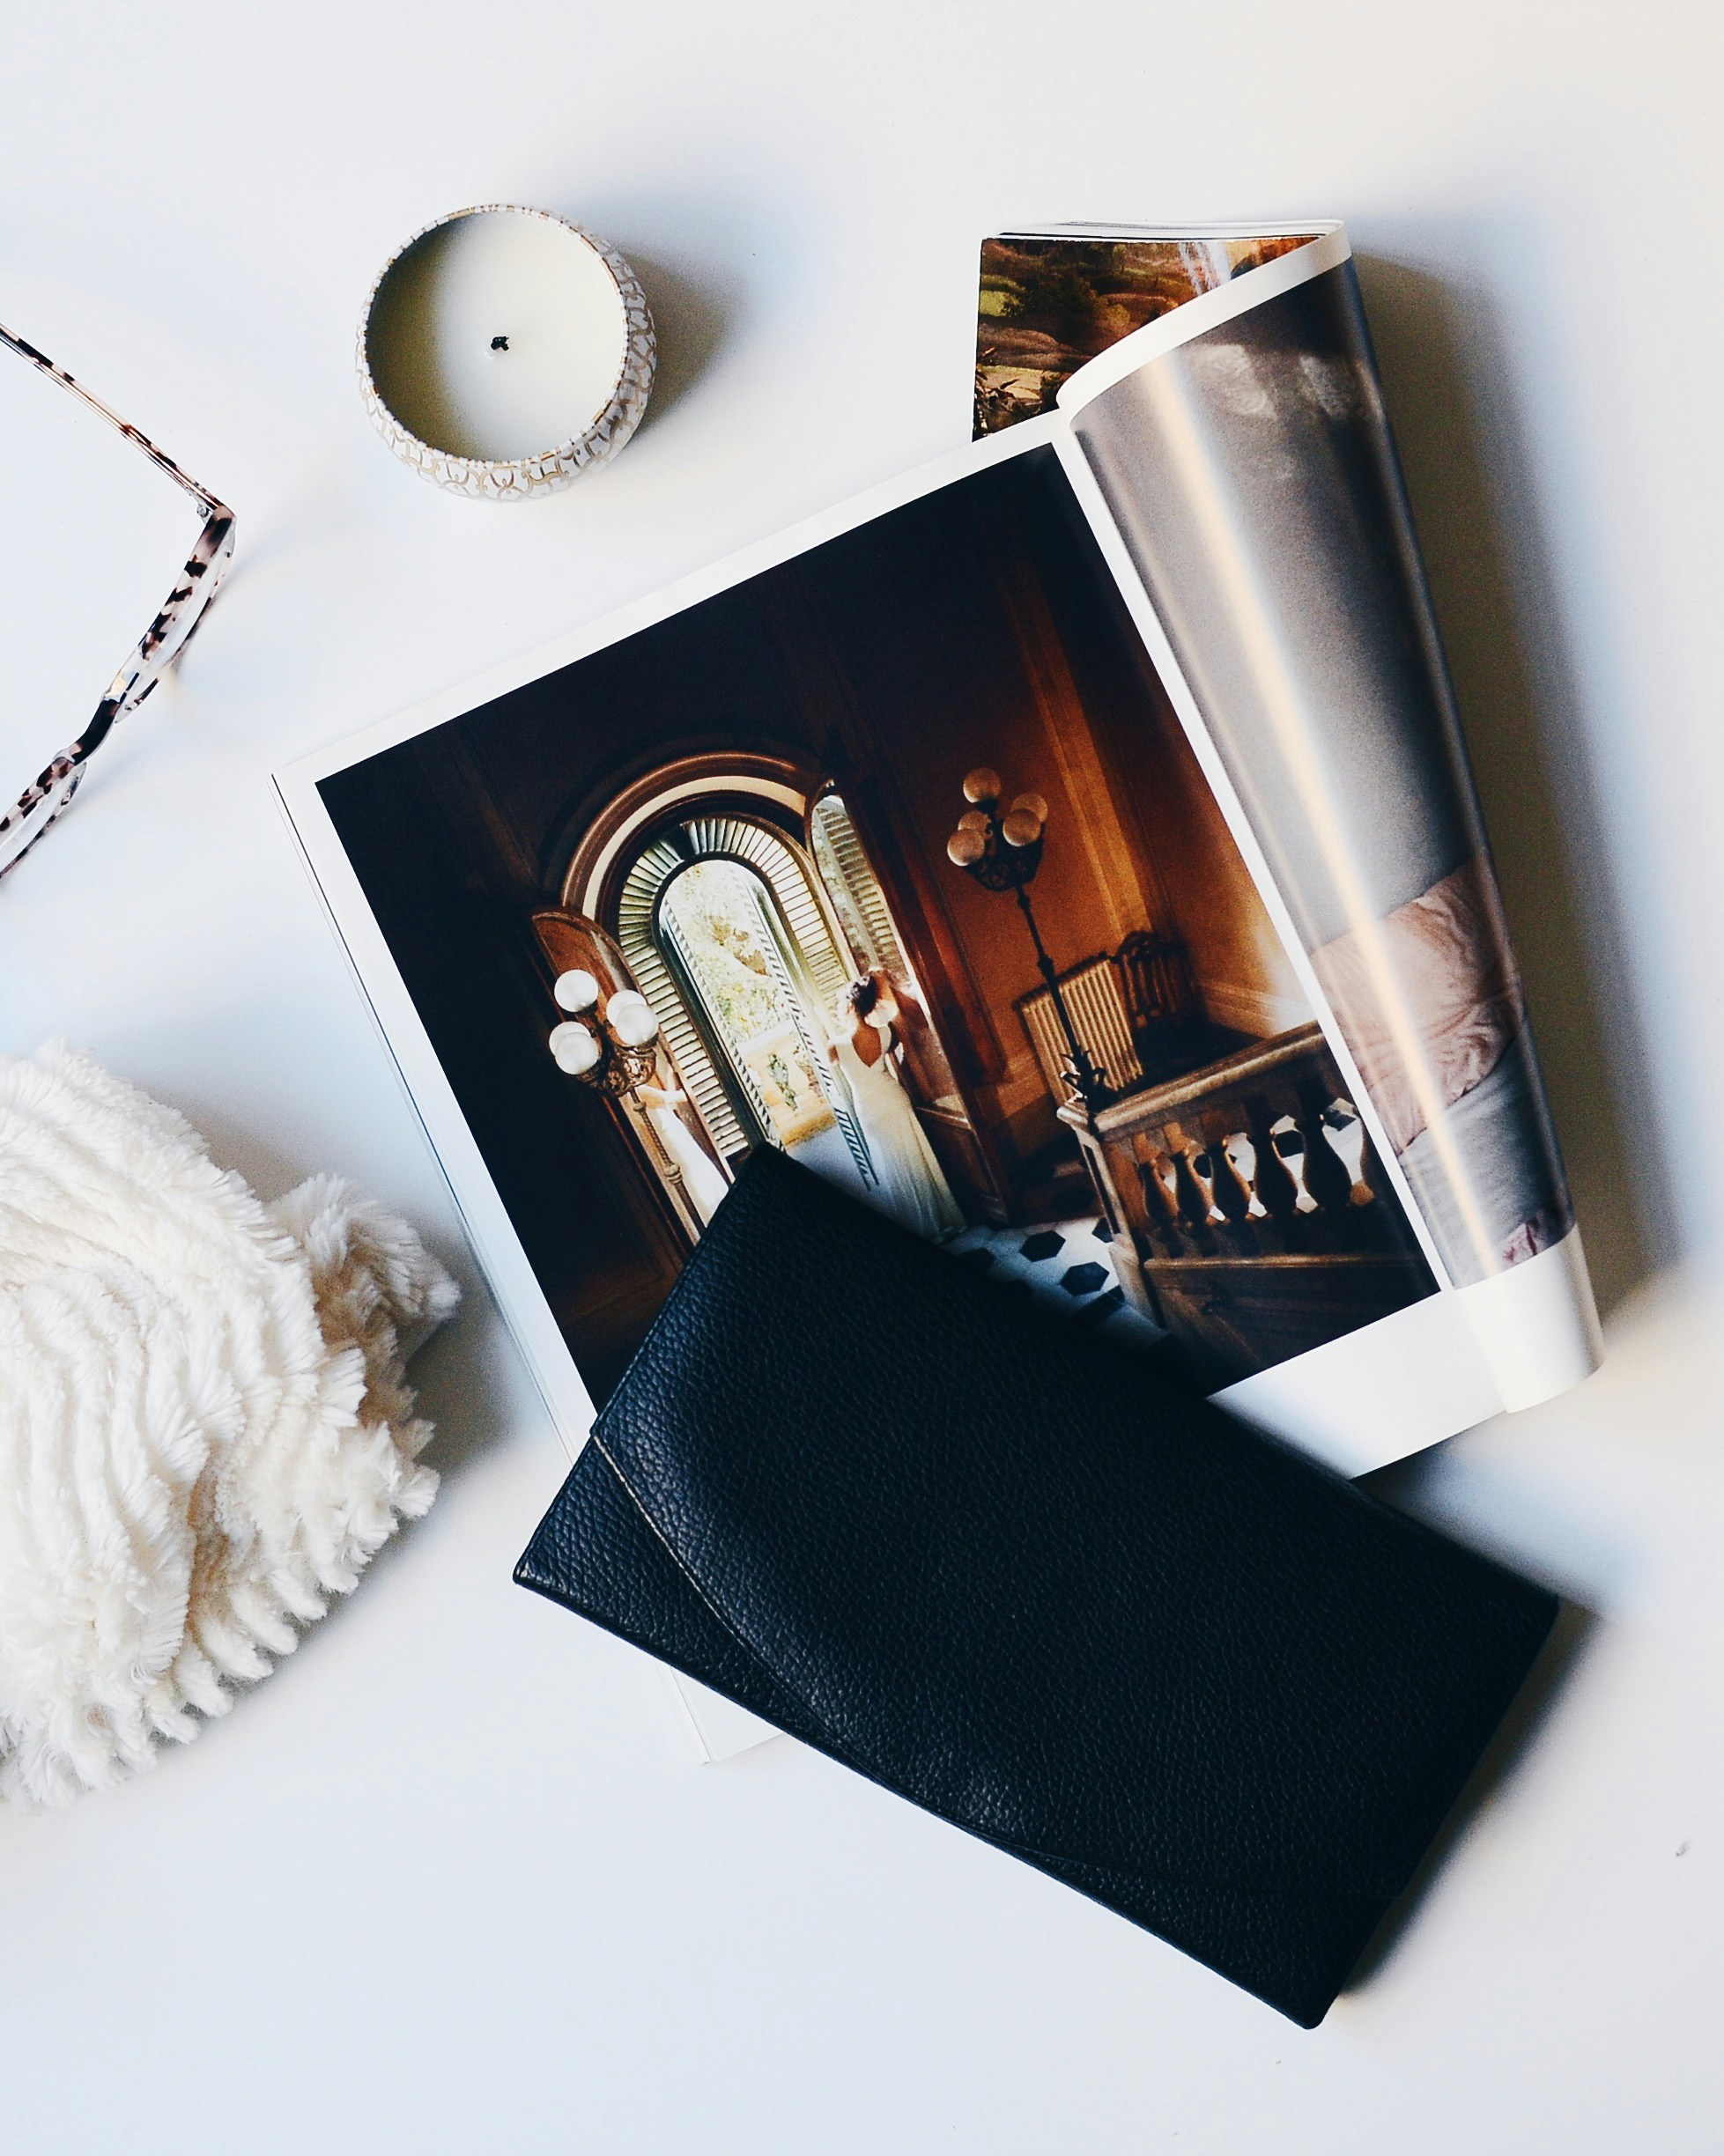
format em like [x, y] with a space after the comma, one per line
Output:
[162, 644]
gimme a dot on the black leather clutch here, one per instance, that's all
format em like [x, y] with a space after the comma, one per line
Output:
[1037, 1588]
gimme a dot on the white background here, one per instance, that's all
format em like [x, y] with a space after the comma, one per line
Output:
[450, 1880]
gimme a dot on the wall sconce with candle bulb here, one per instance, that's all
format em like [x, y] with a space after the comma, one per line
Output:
[1000, 849]
[613, 1051]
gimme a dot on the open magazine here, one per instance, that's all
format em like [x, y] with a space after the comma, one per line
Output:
[1069, 849]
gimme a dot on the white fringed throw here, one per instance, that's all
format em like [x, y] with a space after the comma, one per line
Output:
[205, 1430]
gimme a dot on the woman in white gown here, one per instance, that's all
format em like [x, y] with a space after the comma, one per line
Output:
[911, 1189]
[702, 1177]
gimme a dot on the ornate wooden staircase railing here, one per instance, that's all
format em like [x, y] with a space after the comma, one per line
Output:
[1235, 1223]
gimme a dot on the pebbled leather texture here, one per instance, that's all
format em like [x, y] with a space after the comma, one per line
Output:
[1040, 1589]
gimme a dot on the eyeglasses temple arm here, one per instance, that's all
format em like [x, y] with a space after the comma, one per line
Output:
[158, 457]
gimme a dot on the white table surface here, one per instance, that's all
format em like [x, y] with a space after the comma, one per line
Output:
[451, 1880]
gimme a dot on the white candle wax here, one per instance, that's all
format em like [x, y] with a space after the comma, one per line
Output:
[504, 349]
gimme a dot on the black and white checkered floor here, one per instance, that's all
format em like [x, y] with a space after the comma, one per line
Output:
[1065, 1267]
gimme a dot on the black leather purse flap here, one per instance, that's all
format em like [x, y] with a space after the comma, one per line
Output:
[1038, 1588]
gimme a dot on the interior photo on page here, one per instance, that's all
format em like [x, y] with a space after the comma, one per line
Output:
[1069, 851]
[744, 814]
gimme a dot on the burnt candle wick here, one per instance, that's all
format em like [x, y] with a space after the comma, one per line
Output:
[499, 343]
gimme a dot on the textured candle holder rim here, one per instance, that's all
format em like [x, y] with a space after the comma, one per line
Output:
[548, 471]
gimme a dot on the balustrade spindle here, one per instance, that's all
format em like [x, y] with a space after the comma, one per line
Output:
[1190, 1195]
[1327, 1181]
[1370, 1169]
[1276, 1186]
[1158, 1202]
[1232, 1199]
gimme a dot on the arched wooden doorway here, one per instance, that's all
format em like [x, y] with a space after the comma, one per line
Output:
[771, 849]
[754, 1059]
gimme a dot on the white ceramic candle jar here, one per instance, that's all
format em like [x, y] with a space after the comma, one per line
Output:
[503, 350]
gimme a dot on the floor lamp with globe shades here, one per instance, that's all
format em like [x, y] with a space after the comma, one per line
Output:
[1002, 850]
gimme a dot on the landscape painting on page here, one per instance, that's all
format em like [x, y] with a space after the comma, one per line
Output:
[1049, 302]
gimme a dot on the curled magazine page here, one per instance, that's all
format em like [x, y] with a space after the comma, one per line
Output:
[1241, 448]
